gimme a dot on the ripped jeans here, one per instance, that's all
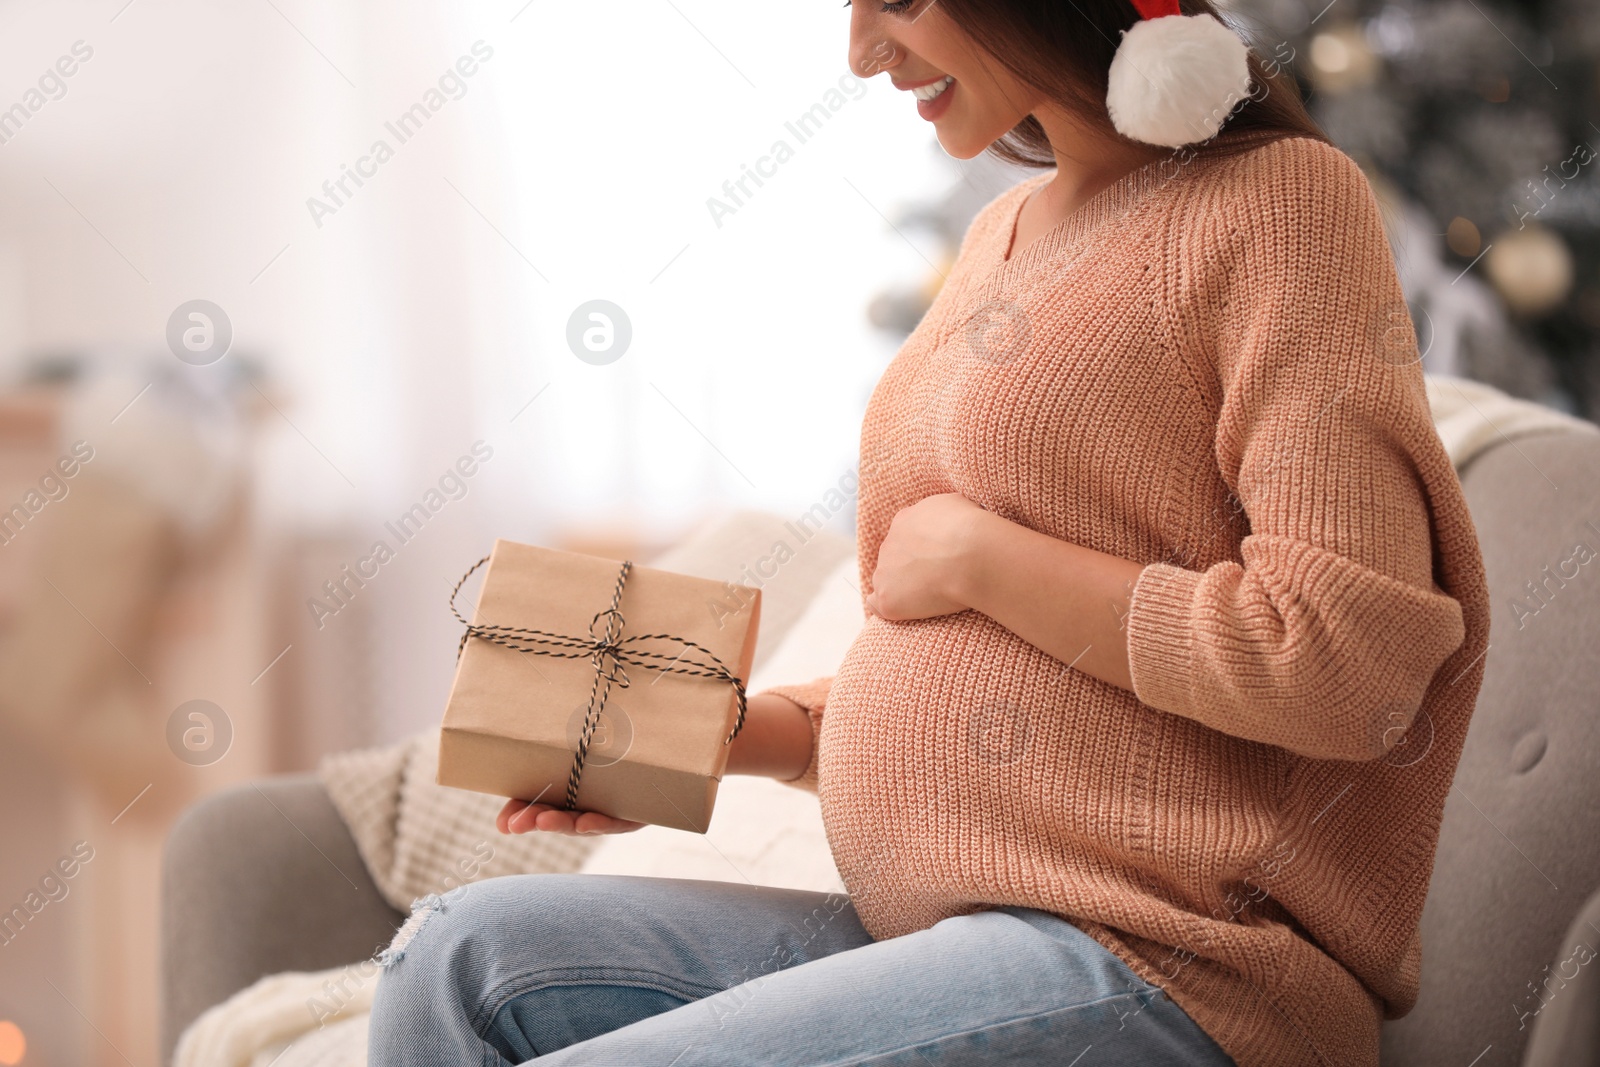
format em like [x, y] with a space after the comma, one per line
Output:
[627, 971]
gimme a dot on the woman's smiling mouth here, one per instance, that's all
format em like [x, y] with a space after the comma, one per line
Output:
[933, 97]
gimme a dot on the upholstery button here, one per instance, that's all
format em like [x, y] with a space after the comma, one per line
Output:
[1528, 752]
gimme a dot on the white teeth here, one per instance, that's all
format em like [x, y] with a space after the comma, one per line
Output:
[928, 92]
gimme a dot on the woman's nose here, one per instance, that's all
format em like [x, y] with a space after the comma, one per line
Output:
[874, 57]
[870, 51]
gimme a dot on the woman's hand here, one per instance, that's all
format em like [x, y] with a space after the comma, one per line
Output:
[922, 558]
[521, 816]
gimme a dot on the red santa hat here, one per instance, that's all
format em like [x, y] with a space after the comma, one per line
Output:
[1175, 78]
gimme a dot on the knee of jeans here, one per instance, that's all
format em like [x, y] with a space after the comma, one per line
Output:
[423, 911]
[444, 926]
[438, 920]
[404, 990]
[426, 964]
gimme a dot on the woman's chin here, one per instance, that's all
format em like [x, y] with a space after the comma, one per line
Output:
[961, 144]
[963, 134]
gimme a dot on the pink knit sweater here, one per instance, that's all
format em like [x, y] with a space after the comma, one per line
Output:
[1208, 368]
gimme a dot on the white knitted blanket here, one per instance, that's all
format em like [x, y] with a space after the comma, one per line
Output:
[293, 1019]
[1470, 416]
[418, 837]
[415, 835]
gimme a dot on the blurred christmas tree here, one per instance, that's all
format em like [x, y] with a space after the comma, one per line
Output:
[1476, 122]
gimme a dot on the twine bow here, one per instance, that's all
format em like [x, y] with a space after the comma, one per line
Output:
[607, 649]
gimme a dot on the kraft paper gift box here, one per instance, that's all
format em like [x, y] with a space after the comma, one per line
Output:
[656, 753]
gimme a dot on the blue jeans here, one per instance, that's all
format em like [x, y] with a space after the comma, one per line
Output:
[628, 971]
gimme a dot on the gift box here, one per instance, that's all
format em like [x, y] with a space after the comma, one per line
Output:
[598, 685]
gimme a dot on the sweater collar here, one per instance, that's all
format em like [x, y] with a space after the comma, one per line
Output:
[1112, 202]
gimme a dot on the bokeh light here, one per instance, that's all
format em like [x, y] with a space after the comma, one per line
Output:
[13, 1043]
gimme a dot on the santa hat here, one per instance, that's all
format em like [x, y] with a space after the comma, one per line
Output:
[1175, 77]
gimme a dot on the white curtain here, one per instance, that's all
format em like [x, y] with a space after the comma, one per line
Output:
[535, 156]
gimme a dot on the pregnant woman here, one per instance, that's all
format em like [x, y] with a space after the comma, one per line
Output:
[1174, 622]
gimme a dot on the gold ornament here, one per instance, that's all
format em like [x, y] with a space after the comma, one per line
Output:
[1342, 59]
[1532, 269]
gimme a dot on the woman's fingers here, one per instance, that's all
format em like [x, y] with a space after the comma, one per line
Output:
[520, 817]
[593, 822]
[510, 809]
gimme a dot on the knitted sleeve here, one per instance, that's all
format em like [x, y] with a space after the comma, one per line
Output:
[1323, 637]
[812, 696]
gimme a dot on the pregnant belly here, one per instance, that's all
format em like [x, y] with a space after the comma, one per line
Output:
[932, 719]
[952, 742]
[912, 692]
[955, 757]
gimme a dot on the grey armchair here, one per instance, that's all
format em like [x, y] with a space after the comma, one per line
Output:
[1511, 912]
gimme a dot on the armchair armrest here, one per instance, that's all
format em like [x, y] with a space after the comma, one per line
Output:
[1566, 1032]
[259, 879]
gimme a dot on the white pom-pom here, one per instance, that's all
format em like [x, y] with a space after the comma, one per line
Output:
[1175, 79]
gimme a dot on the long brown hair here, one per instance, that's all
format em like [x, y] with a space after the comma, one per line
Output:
[1064, 49]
